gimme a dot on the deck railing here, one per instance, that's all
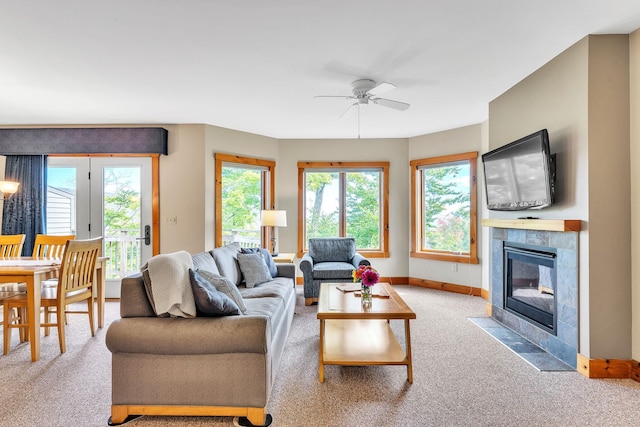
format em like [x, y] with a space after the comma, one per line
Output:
[124, 250]
[246, 238]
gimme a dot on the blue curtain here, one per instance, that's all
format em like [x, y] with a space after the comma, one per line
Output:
[25, 211]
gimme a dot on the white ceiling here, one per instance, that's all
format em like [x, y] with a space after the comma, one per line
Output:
[256, 65]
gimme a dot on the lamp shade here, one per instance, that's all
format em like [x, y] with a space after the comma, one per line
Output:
[275, 218]
[8, 187]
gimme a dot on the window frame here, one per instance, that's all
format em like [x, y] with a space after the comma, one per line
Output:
[417, 209]
[268, 190]
[337, 167]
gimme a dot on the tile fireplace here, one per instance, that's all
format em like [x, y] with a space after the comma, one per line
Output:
[534, 287]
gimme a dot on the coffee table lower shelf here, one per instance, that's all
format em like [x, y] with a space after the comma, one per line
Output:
[355, 342]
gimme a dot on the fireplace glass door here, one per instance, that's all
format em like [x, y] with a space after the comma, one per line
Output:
[530, 284]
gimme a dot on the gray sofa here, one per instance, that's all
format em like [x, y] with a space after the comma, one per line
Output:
[201, 366]
[328, 260]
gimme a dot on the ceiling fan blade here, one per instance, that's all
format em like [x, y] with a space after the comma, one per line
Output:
[334, 96]
[346, 113]
[381, 88]
[396, 105]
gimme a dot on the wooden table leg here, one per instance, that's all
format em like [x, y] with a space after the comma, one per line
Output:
[33, 314]
[321, 373]
[100, 287]
[407, 335]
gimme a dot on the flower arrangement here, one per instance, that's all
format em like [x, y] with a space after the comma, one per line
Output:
[366, 274]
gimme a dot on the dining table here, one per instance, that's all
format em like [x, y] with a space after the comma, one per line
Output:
[33, 271]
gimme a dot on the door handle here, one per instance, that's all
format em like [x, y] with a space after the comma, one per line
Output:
[147, 235]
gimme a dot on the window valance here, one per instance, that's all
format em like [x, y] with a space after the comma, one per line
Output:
[31, 141]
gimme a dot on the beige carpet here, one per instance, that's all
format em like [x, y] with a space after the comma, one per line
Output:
[462, 377]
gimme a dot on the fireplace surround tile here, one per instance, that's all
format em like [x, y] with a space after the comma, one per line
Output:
[563, 345]
[534, 355]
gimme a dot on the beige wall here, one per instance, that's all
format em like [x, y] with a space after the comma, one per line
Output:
[454, 141]
[609, 198]
[634, 90]
[581, 97]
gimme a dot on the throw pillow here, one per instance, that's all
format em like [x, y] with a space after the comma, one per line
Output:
[209, 301]
[254, 269]
[225, 286]
[268, 259]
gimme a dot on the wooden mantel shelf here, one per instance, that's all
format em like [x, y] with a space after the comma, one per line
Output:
[534, 224]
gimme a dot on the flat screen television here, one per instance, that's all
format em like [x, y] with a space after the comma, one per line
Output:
[521, 174]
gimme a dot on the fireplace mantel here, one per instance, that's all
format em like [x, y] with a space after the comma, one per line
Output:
[562, 225]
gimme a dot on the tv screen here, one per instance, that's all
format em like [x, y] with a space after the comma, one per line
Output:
[520, 175]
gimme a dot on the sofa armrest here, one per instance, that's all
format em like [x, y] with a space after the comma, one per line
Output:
[359, 260]
[286, 270]
[200, 335]
[134, 301]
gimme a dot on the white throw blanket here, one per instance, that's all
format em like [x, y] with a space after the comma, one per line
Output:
[170, 285]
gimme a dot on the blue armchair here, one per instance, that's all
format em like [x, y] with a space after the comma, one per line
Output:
[328, 260]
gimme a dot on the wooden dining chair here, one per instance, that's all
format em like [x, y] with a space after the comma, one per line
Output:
[75, 284]
[50, 246]
[11, 245]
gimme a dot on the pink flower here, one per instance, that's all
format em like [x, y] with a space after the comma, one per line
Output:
[370, 277]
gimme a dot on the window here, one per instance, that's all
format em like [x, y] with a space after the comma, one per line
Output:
[244, 186]
[443, 206]
[339, 199]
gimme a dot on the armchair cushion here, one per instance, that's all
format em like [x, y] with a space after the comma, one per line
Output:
[333, 270]
[332, 249]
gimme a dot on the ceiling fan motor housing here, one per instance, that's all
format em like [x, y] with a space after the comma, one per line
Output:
[361, 87]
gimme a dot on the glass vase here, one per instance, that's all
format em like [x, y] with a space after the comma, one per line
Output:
[366, 295]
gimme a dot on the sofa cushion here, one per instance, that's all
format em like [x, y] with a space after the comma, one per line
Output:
[332, 270]
[225, 286]
[226, 258]
[205, 261]
[332, 249]
[209, 301]
[253, 269]
[279, 287]
[268, 259]
[274, 308]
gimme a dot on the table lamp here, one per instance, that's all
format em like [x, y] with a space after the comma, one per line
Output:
[273, 219]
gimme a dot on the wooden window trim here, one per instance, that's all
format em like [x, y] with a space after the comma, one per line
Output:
[384, 166]
[268, 189]
[417, 209]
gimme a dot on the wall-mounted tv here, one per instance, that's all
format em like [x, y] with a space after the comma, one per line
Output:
[521, 174]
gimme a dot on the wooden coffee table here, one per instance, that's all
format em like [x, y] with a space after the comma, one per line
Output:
[353, 336]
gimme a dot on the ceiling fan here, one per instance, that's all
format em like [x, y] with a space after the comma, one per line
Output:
[367, 91]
